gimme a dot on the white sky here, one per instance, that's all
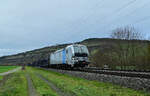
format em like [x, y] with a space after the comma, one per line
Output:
[32, 24]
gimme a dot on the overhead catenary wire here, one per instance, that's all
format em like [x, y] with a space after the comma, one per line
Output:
[130, 14]
[84, 20]
[137, 21]
[144, 5]
[143, 19]
[126, 5]
[117, 11]
[97, 6]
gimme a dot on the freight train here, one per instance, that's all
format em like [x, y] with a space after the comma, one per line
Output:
[75, 55]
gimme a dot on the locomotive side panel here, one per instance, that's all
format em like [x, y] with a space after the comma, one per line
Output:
[58, 57]
[64, 56]
[52, 59]
[69, 54]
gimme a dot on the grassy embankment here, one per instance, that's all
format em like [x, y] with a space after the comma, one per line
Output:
[82, 87]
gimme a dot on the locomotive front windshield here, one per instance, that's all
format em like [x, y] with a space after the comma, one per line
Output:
[80, 51]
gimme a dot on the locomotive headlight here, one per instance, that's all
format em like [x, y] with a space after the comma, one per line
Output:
[73, 58]
[85, 58]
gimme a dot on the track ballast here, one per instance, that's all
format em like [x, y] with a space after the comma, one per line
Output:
[137, 74]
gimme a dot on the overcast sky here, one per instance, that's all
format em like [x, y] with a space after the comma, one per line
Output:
[32, 24]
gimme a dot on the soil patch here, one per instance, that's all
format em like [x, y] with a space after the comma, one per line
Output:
[31, 89]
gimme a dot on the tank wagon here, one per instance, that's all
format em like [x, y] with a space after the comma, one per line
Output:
[75, 55]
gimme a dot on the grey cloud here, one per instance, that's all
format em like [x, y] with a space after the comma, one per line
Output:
[29, 24]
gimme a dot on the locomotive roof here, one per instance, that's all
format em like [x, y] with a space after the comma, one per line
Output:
[58, 50]
[68, 47]
[75, 45]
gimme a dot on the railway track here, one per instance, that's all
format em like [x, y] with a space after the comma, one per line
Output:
[137, 74]
[123, 73]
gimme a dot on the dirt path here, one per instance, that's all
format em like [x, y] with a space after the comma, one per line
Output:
[31, 89]
[54, 87]
[7, 75]
[10, 71]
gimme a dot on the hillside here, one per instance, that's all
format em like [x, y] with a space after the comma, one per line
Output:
[93, 44]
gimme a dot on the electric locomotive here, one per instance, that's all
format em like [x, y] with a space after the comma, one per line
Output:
[75, 55]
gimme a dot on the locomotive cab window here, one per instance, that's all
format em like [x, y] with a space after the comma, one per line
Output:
[81, 51]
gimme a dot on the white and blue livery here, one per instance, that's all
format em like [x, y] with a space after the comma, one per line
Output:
[75, 55]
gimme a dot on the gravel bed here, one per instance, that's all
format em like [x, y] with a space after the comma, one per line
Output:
[130, 82]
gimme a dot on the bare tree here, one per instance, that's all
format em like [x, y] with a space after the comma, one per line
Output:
[126, 46]
[126, 33]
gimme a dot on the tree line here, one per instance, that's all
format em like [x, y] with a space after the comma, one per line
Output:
[130, 52]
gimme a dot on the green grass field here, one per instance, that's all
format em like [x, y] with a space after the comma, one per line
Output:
[1, 77]
[16, 85]
[41, 87]
[6, 68]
